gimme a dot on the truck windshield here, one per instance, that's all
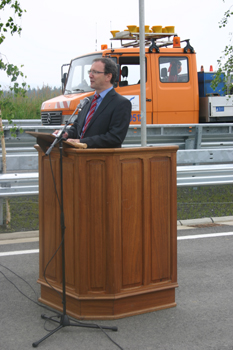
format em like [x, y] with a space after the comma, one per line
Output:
[78, 77]
[173, 69]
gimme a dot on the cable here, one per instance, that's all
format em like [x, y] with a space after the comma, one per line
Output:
[54, 182]
[54, 254]
[47, 308]
[110, 338]
[30, 299]
[57, 291]
[20, 278]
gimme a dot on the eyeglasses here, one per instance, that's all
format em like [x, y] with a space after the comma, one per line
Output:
[94, 72]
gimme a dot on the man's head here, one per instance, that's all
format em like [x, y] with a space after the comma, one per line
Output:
[102, 74]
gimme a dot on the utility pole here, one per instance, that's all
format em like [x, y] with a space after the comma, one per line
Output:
[142, 73]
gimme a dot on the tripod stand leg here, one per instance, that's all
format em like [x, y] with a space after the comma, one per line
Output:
[64, 321]
[91, 325]
[35, 344]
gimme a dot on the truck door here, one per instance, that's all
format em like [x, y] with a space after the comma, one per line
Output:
[129, 86]
[174, 90]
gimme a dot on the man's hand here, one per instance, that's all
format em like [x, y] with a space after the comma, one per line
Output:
[73, 140]
[65, 135]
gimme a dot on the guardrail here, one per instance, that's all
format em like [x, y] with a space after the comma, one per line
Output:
[186, 136]
[26, 158]
[20, 184]
[194, 136]
[205, 154]
[25, 184]
[203, 175]
[21, 154]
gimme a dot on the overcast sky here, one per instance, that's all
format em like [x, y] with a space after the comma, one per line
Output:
[55, 31]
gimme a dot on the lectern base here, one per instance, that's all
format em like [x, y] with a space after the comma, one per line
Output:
[111, 307]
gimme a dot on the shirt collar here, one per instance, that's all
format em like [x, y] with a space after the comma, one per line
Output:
[104, 93]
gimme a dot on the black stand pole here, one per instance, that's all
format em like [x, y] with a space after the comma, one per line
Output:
[64, 319]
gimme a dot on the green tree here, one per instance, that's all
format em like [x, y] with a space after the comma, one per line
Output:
[12, 71]
[225, 62]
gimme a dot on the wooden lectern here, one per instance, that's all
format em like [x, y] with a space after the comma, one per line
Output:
[121, 230]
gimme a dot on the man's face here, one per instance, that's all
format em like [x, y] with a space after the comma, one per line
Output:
[99, 81]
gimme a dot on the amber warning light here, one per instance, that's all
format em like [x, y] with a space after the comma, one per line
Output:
[176, 41]
[104, 47]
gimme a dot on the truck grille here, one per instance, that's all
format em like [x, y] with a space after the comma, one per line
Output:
[51, 118]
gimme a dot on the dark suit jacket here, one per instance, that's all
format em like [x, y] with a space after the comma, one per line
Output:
[109, 124]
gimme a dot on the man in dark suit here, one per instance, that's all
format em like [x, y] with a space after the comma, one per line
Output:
[109, 115]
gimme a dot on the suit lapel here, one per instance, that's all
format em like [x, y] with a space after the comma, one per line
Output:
[107, 99]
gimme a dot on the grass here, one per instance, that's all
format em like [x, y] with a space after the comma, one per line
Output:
[192, 203]
[24, 214]
[206, 201]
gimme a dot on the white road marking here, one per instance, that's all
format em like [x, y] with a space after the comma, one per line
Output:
[181, 238]
[207, 235]
[20, 252]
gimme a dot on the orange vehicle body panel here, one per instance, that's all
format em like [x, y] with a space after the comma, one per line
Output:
[166, 103]
[170, 103]
[175, 103]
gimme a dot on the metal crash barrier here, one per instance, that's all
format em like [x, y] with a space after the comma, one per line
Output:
[205, 155]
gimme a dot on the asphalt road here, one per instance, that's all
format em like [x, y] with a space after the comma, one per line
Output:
[202, 319]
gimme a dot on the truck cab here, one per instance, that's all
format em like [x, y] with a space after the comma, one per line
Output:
[171, 81]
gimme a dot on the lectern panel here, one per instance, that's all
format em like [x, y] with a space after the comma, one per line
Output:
[96, 219]
[48, 218]
[69, 213]
[160, 218]
[131, 222]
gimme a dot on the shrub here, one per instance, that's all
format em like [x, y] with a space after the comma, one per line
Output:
[28, 107]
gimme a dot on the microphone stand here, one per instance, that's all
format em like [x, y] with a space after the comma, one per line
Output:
[59, 136]
[64, 319]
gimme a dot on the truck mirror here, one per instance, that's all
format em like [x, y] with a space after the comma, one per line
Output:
[64, 78]
[118, 73]
[63, 81]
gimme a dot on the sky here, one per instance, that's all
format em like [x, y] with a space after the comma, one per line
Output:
[56, 31]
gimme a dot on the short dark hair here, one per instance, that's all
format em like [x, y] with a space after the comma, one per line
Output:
[109, 67]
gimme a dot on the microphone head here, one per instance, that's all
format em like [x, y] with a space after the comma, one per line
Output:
[84, 102]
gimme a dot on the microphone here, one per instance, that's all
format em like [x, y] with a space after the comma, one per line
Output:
[83, 103]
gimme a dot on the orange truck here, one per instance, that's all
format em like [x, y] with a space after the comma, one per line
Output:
[174, 89]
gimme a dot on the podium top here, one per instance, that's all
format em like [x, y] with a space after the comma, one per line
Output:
[44, 140]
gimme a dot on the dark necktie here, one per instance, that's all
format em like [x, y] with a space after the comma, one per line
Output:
[90, 115]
